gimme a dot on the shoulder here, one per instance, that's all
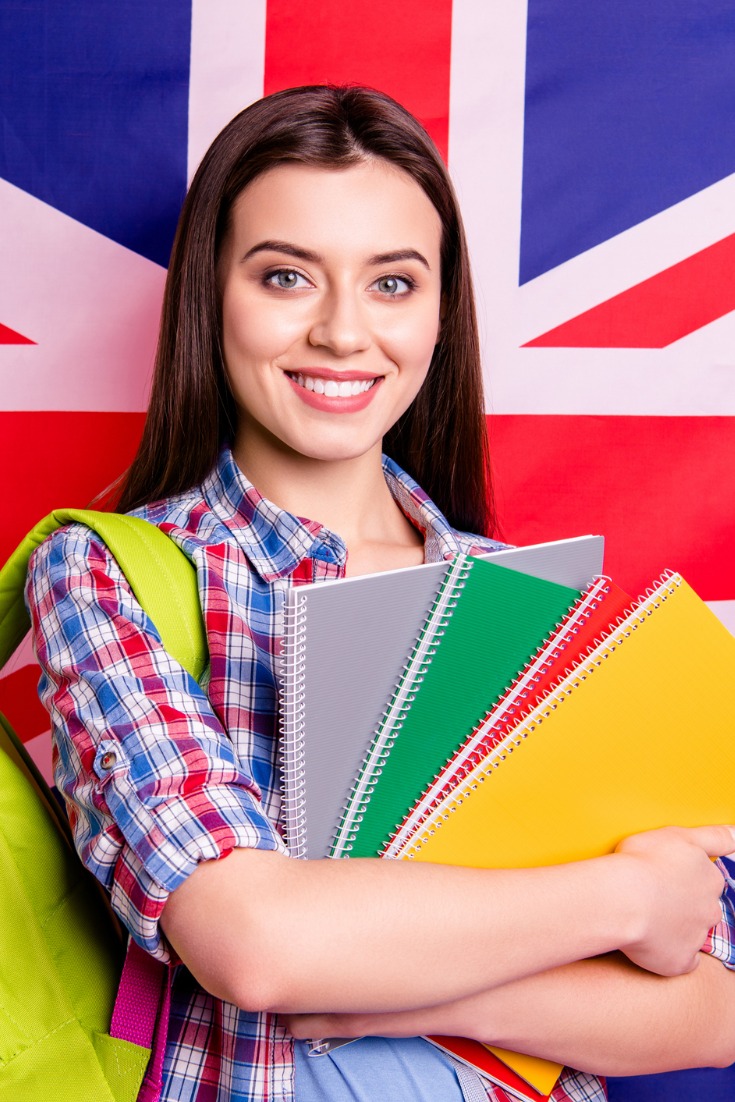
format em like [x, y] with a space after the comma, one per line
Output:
[70, 550]
[75, 557]
[103, 588]
[189, 518]
[192, 518]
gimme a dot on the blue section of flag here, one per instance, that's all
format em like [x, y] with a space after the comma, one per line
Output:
[693, 1085]
[94, 112]
[629, 109]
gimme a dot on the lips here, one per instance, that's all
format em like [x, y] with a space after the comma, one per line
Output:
[332, 393]
[332, 388]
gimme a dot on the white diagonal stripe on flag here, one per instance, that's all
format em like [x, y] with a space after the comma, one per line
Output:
[91, 305]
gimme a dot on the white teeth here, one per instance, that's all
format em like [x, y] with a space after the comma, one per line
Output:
[331, 388]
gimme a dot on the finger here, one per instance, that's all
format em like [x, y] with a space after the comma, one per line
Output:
[716, 841]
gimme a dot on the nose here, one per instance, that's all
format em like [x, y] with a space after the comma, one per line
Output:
[340, 324]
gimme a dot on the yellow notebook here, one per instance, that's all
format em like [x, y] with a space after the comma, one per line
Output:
[640, 735]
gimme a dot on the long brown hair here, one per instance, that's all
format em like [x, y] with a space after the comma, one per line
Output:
[441, 439]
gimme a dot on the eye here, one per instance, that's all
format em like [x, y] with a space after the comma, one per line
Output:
[286, 279]
[394, 286]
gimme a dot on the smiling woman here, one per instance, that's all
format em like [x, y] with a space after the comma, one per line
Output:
[317, 413]
[441, 438]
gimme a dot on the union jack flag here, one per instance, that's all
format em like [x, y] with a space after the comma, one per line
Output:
[594, 155]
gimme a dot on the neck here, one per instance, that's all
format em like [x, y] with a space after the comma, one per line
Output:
[350, 497]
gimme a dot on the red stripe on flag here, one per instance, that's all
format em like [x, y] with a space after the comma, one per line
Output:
[660, 489]
[9, 336]
[658, 311]
[59, 459]
[402, 49]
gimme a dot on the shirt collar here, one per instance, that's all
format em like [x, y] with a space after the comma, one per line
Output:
[440, 538]
[276, 542]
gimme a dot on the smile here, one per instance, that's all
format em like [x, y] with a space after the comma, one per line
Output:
[332, 388]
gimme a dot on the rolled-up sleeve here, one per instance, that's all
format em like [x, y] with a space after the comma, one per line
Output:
[721, 940]
[151, 781]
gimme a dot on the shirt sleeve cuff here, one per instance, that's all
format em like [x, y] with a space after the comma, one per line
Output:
[721, 938]
[201, 826]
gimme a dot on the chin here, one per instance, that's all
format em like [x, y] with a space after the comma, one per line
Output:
[340, 450]
[336, 455]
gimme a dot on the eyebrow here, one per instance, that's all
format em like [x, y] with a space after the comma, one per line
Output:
[400, 254]
[314, 258]
[283, 247]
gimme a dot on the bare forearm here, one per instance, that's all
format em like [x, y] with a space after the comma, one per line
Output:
[609, 1017]
[268, 932]
[605, 1016]
[378, 935]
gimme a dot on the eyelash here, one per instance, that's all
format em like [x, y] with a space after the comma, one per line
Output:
[270, 281]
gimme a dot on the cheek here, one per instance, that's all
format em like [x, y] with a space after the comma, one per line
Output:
[410, 341]
[256, 331]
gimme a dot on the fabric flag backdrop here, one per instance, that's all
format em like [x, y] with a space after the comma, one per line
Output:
[592, 150]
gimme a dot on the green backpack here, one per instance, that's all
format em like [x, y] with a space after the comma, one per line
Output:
[78, 1013]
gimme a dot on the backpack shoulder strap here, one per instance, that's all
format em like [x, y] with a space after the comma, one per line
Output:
[160, 575]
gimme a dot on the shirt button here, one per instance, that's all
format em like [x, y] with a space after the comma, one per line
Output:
[107, 761]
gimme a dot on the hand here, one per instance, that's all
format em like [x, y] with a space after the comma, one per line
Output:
[679, 891]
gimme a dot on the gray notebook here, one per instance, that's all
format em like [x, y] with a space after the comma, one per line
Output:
[344, 646]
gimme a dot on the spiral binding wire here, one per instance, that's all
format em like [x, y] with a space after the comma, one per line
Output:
[529, 722]
[292, 708]
[399, 704]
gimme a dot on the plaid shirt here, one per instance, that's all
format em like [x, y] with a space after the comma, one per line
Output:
[194, 772]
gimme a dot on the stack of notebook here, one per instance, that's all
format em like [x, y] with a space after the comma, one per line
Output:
[345, 645]
[516, 696]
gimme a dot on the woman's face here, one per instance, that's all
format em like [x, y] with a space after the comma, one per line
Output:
[331, 292]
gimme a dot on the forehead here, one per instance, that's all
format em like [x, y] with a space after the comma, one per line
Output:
[371, 206]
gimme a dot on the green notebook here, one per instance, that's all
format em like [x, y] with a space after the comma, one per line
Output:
[485, 625]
